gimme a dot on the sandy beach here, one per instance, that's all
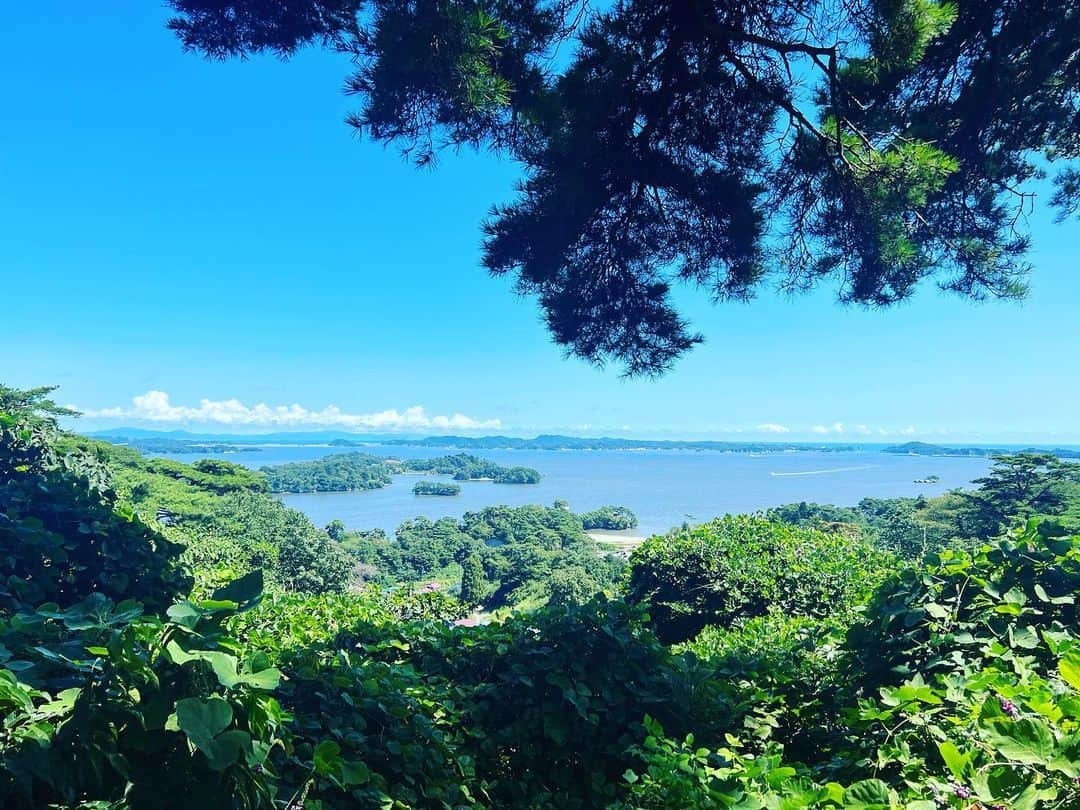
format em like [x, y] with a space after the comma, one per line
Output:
[626, 540]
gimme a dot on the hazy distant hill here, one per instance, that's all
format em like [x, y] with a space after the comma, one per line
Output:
[280, 437]
[555, 442]
[160, 440]
[925, 449]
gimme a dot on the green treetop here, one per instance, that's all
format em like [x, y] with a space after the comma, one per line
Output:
[868, 144]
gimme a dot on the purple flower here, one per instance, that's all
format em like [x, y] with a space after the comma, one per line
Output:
[256, 768]
[961, 792]
[1009, 708]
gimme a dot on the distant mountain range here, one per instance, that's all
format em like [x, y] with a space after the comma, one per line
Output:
[185, 441]
[556, 442]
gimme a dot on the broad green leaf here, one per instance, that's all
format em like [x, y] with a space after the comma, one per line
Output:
[227, 748]
[185, 614]
[354, 773]
[327, 758]
[202, 720]
[225, 667]
[1026, 740]
[243, 590]
[869, 794]
[1069, 667]
[954, 760]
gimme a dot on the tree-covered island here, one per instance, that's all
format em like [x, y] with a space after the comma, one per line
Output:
[436, 488]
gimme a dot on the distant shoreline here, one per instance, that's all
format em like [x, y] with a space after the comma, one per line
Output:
[176, 442]
[626, 538]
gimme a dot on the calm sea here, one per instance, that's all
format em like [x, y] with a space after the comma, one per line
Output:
[664, 488]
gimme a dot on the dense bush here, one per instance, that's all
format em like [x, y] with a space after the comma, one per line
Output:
[553, 702]
[970, 607]
[740, 567]
[782, 677]
[969, 671]
[103, 704]
[64, 535]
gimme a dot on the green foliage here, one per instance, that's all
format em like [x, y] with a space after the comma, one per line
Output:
[33, 405]
[1018, 592]
[247, 530]
[969, 673]
[908, 527]
[474, 587]
[783, 681]
[739, 567]
[436, 488]
[358, 471]
[555, 699]
[957, 685]
[336, 529]
[528, 555]
[64, 535]
[212, 475]
[610, 518]
[184, 491]
[533, 554]
[1020, 487]
[103, 704]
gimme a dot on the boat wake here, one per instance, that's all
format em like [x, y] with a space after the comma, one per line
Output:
[825, 472]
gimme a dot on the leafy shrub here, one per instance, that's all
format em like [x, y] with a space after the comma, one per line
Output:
[967, 607]
[552, 701]
[739, 567]
[782, 679]
[104, 704]
[65, 536]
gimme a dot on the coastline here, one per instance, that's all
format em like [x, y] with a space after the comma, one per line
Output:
[623, 540]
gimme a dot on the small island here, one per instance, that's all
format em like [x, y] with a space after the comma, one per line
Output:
[346, 472]
[436, 488]
[610, 518]
[466, 467]
[930, 479]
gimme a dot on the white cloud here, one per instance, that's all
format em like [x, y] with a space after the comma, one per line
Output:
[835, 427]
[909, 430]
[772, 427]
[156, 406]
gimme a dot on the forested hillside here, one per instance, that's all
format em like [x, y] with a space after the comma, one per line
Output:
[172, 636]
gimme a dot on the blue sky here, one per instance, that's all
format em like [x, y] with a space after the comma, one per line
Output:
[209, 237]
